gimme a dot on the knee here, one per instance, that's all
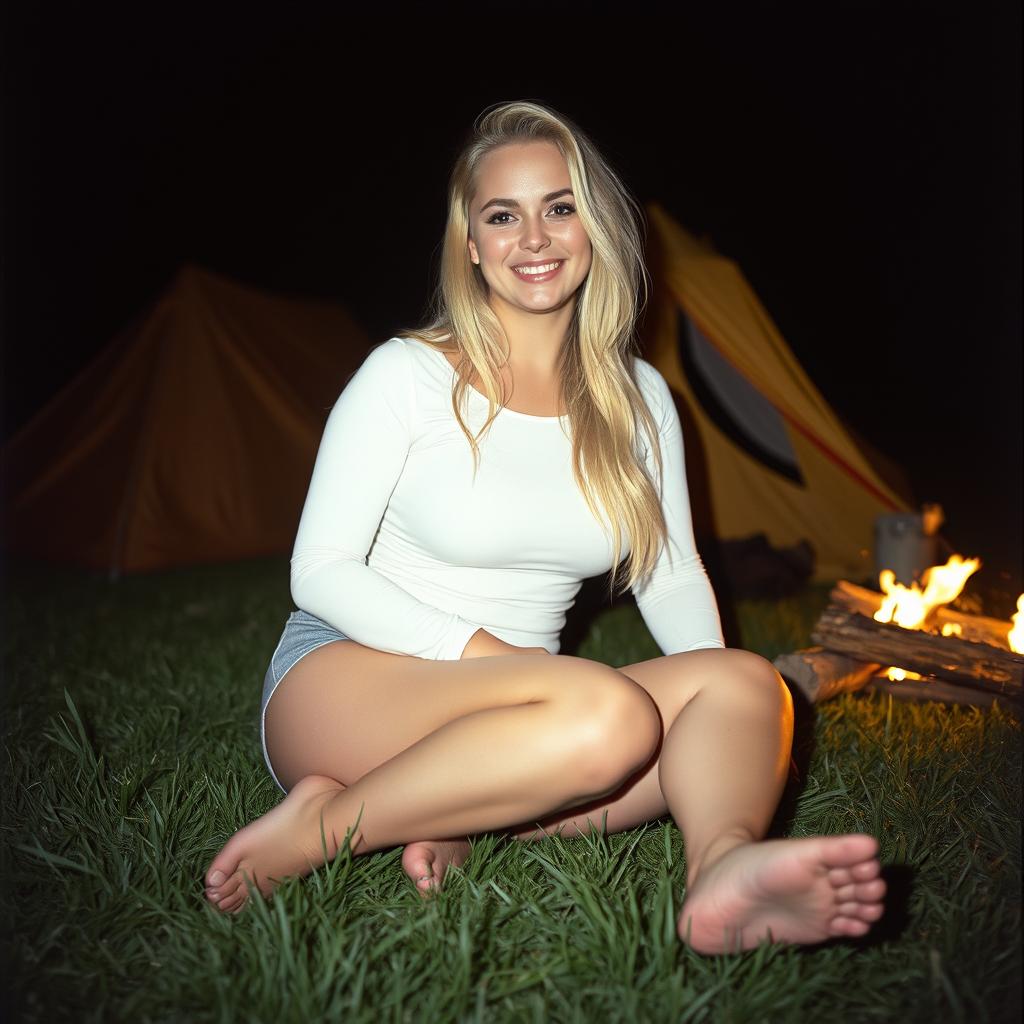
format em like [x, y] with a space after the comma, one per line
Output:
[616, 729]
[751, 677]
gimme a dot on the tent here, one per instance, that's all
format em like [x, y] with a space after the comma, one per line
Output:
[766, 454]
[190, 438]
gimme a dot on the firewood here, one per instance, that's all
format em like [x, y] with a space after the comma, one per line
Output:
[847, 627]
[938, 689]
[980, 628]
[820, 674]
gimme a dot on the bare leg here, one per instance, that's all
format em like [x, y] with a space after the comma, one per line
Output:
[524, 736]
[720, 772]
[427, 861]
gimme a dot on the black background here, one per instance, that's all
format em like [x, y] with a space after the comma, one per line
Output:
[861, 163]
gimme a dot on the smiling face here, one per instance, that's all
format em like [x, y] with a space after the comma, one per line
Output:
[524, 232]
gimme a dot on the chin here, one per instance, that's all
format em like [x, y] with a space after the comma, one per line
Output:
[545, 307]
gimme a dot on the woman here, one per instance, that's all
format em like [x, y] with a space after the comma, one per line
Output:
[488, 464]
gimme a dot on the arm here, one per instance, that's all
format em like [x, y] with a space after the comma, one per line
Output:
[361, 457]
[676, 600]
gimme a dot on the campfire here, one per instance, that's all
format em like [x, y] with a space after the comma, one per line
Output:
[1016, 634]
[909, 641]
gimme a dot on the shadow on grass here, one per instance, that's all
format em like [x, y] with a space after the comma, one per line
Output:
[804, 743]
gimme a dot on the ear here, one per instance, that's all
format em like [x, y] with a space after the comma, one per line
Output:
[473, 254]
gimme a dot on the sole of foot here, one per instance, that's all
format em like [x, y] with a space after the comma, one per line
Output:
[286, 841]
[426, 862]
[801, 891]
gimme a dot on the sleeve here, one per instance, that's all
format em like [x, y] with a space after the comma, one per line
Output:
[676, 601]
[362, 453]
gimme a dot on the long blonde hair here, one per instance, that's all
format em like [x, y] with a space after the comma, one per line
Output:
[603, 403]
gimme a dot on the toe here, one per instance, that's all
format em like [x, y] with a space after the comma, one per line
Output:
[224, 865]
[239, 900]
[846, 851]
[846, 893]
[852, 899]
[418, 860]
[848, 926]
[228, 888]
[840, 876]
[870, 911]
[866, 870]
[251, 887]
[870, 892]
[231, 903]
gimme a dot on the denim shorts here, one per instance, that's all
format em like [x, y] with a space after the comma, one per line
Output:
[302, 634]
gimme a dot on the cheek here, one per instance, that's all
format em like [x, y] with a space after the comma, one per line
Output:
[577, 240]
[493, 254]
[584, 248]
[495, 248]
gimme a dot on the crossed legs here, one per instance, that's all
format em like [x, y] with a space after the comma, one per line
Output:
[443, 749]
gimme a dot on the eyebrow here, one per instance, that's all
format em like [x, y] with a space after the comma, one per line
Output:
[512, 202]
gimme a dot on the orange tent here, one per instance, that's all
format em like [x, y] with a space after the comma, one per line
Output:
[190, 438]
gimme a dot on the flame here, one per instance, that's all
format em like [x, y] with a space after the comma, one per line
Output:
[952, 629]
[1016, 635]
[897, 675]
[910, 607]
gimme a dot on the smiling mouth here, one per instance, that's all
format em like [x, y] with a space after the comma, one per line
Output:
[541, 270]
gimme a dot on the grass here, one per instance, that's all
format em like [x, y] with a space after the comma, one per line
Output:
[131, 751]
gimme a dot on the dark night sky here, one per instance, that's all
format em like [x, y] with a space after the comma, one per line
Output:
[861, 165]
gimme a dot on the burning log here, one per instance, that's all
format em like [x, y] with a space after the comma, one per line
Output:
[979, 628]
[820, 674]
[937, 689]
[978, 657]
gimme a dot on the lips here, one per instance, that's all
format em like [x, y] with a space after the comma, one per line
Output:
[537, 271]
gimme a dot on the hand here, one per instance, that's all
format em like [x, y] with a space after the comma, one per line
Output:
[485, 645]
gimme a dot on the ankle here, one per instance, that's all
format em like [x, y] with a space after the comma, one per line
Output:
[714, 850]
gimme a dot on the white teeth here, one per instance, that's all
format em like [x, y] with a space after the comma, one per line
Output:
[538, 270]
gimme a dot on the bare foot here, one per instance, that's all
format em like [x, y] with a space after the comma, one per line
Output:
[285, 841]
[802, 890]
[427, 861]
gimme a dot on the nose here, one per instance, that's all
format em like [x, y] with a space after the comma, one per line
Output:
[534, 237]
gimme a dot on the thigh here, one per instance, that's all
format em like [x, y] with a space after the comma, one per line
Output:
[345, 708]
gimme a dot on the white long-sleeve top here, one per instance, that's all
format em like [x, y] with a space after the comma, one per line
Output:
[401, 550]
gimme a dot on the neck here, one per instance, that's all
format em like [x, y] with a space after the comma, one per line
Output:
[534, 339]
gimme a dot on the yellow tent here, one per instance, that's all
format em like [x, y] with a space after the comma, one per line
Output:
[765, 451]
[190, 438]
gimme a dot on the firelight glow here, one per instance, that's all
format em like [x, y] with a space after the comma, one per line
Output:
[909, 607]
[1016, 635]
[897, 675]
